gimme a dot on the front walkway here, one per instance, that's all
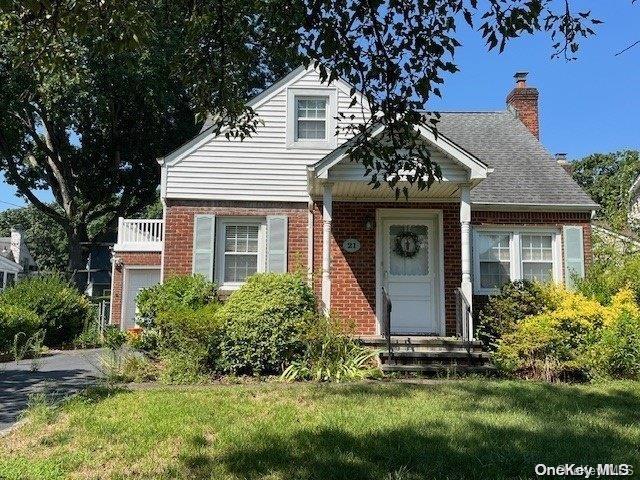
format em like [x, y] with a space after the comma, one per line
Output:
[61, 373]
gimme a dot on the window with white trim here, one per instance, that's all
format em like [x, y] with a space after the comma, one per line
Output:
[494, 259]
[536, 254]
[502, 255]
[311, 118]
[240, 245]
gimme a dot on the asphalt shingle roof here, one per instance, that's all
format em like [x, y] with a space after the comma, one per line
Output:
[524, 172]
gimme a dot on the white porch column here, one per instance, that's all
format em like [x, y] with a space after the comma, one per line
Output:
[327, 204]
[465, 229]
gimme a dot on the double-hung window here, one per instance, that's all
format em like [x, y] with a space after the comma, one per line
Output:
[241, 250]
[311, 118]
[502, 255]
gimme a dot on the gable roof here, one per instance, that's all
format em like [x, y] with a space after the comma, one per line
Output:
[524, 172]
[477, 168]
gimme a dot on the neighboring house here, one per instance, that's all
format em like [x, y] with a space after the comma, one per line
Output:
[95, 279]
[15, 258]
[289, 197]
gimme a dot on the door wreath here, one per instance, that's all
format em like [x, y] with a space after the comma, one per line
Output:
[407, 244]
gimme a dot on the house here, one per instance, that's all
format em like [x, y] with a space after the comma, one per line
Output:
[289, 198]
[15, 258]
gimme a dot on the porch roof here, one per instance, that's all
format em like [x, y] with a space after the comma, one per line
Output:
[458, 167]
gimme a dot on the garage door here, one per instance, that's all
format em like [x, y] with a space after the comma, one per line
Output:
[136, 280]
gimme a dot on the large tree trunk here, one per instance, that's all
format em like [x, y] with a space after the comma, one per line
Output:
[78, 255]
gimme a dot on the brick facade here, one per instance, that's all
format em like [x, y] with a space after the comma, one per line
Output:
[127, 259]
[353, 290]
[178, 244]
[525, 101]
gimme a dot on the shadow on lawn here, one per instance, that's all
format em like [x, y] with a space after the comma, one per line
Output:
[556, 430]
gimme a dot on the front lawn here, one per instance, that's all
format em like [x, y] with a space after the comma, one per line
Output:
[458, 429]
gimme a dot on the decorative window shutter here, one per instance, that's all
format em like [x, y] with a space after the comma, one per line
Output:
[277, 243]
[204, 234]
[573, 254]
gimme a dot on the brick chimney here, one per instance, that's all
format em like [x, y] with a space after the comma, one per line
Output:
[524, 101]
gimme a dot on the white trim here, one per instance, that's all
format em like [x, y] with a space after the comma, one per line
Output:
[331, 113]
[477, 169]
[412, 213]
[515, 263]
[125, 271]
[219, 249]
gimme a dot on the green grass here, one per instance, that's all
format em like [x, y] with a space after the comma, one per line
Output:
[457, 429]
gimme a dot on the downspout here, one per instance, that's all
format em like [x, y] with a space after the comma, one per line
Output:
[163, 189]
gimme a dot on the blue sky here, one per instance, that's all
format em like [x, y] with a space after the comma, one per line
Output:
[586, 106]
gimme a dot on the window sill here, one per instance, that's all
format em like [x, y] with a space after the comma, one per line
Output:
[313, 144]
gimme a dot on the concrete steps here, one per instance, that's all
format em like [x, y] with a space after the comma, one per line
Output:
[430, 355]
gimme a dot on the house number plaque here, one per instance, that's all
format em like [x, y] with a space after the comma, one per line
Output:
[351, 245]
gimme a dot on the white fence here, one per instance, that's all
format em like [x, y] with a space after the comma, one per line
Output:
[139, 235]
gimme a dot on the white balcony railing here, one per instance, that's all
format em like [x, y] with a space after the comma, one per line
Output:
[139, 235]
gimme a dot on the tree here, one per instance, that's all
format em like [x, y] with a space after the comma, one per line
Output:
[608, 178]
[122, 76]
[45, 238]
[92, 93]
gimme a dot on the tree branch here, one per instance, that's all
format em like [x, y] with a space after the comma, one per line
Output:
[627, 48]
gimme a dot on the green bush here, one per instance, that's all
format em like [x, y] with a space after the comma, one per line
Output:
[332, 354]
[114, 338]
[187, 342]
[62, 309]
[14, 320]
[610, 271]
[263, 324]
[191, 292]
[617, 352]
[516, 301]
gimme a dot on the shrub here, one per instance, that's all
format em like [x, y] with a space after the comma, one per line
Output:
[610, 271]
[617, 352]
[62, 309]
[114, 338]
[332, 354]
[187, 342]
[559, 343]
[189, 291]
[14, 320]
[516, 301]
[263, 324]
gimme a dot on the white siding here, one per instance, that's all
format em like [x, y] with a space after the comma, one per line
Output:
[258, 168]
[452, 171]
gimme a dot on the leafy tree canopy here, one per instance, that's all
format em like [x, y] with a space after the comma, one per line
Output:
[93, 91]
[608, 178]
[45, 238]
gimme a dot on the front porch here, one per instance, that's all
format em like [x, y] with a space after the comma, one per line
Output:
[371, 250]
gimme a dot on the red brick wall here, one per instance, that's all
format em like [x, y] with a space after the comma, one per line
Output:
[525, 101]
[545, 219]
[179, 229]
[127, 259]
[353, 288]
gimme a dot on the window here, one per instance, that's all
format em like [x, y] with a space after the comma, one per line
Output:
[503, 255]
[494, 259]
[311, 118]
[537, 257]
[240, 247]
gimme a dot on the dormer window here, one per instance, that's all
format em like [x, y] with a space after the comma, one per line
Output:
[311, 118]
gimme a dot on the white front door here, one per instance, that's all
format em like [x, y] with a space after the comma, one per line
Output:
[135, 280]
[410, 267]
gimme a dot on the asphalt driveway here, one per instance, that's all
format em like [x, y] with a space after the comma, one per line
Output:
[61, 373]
